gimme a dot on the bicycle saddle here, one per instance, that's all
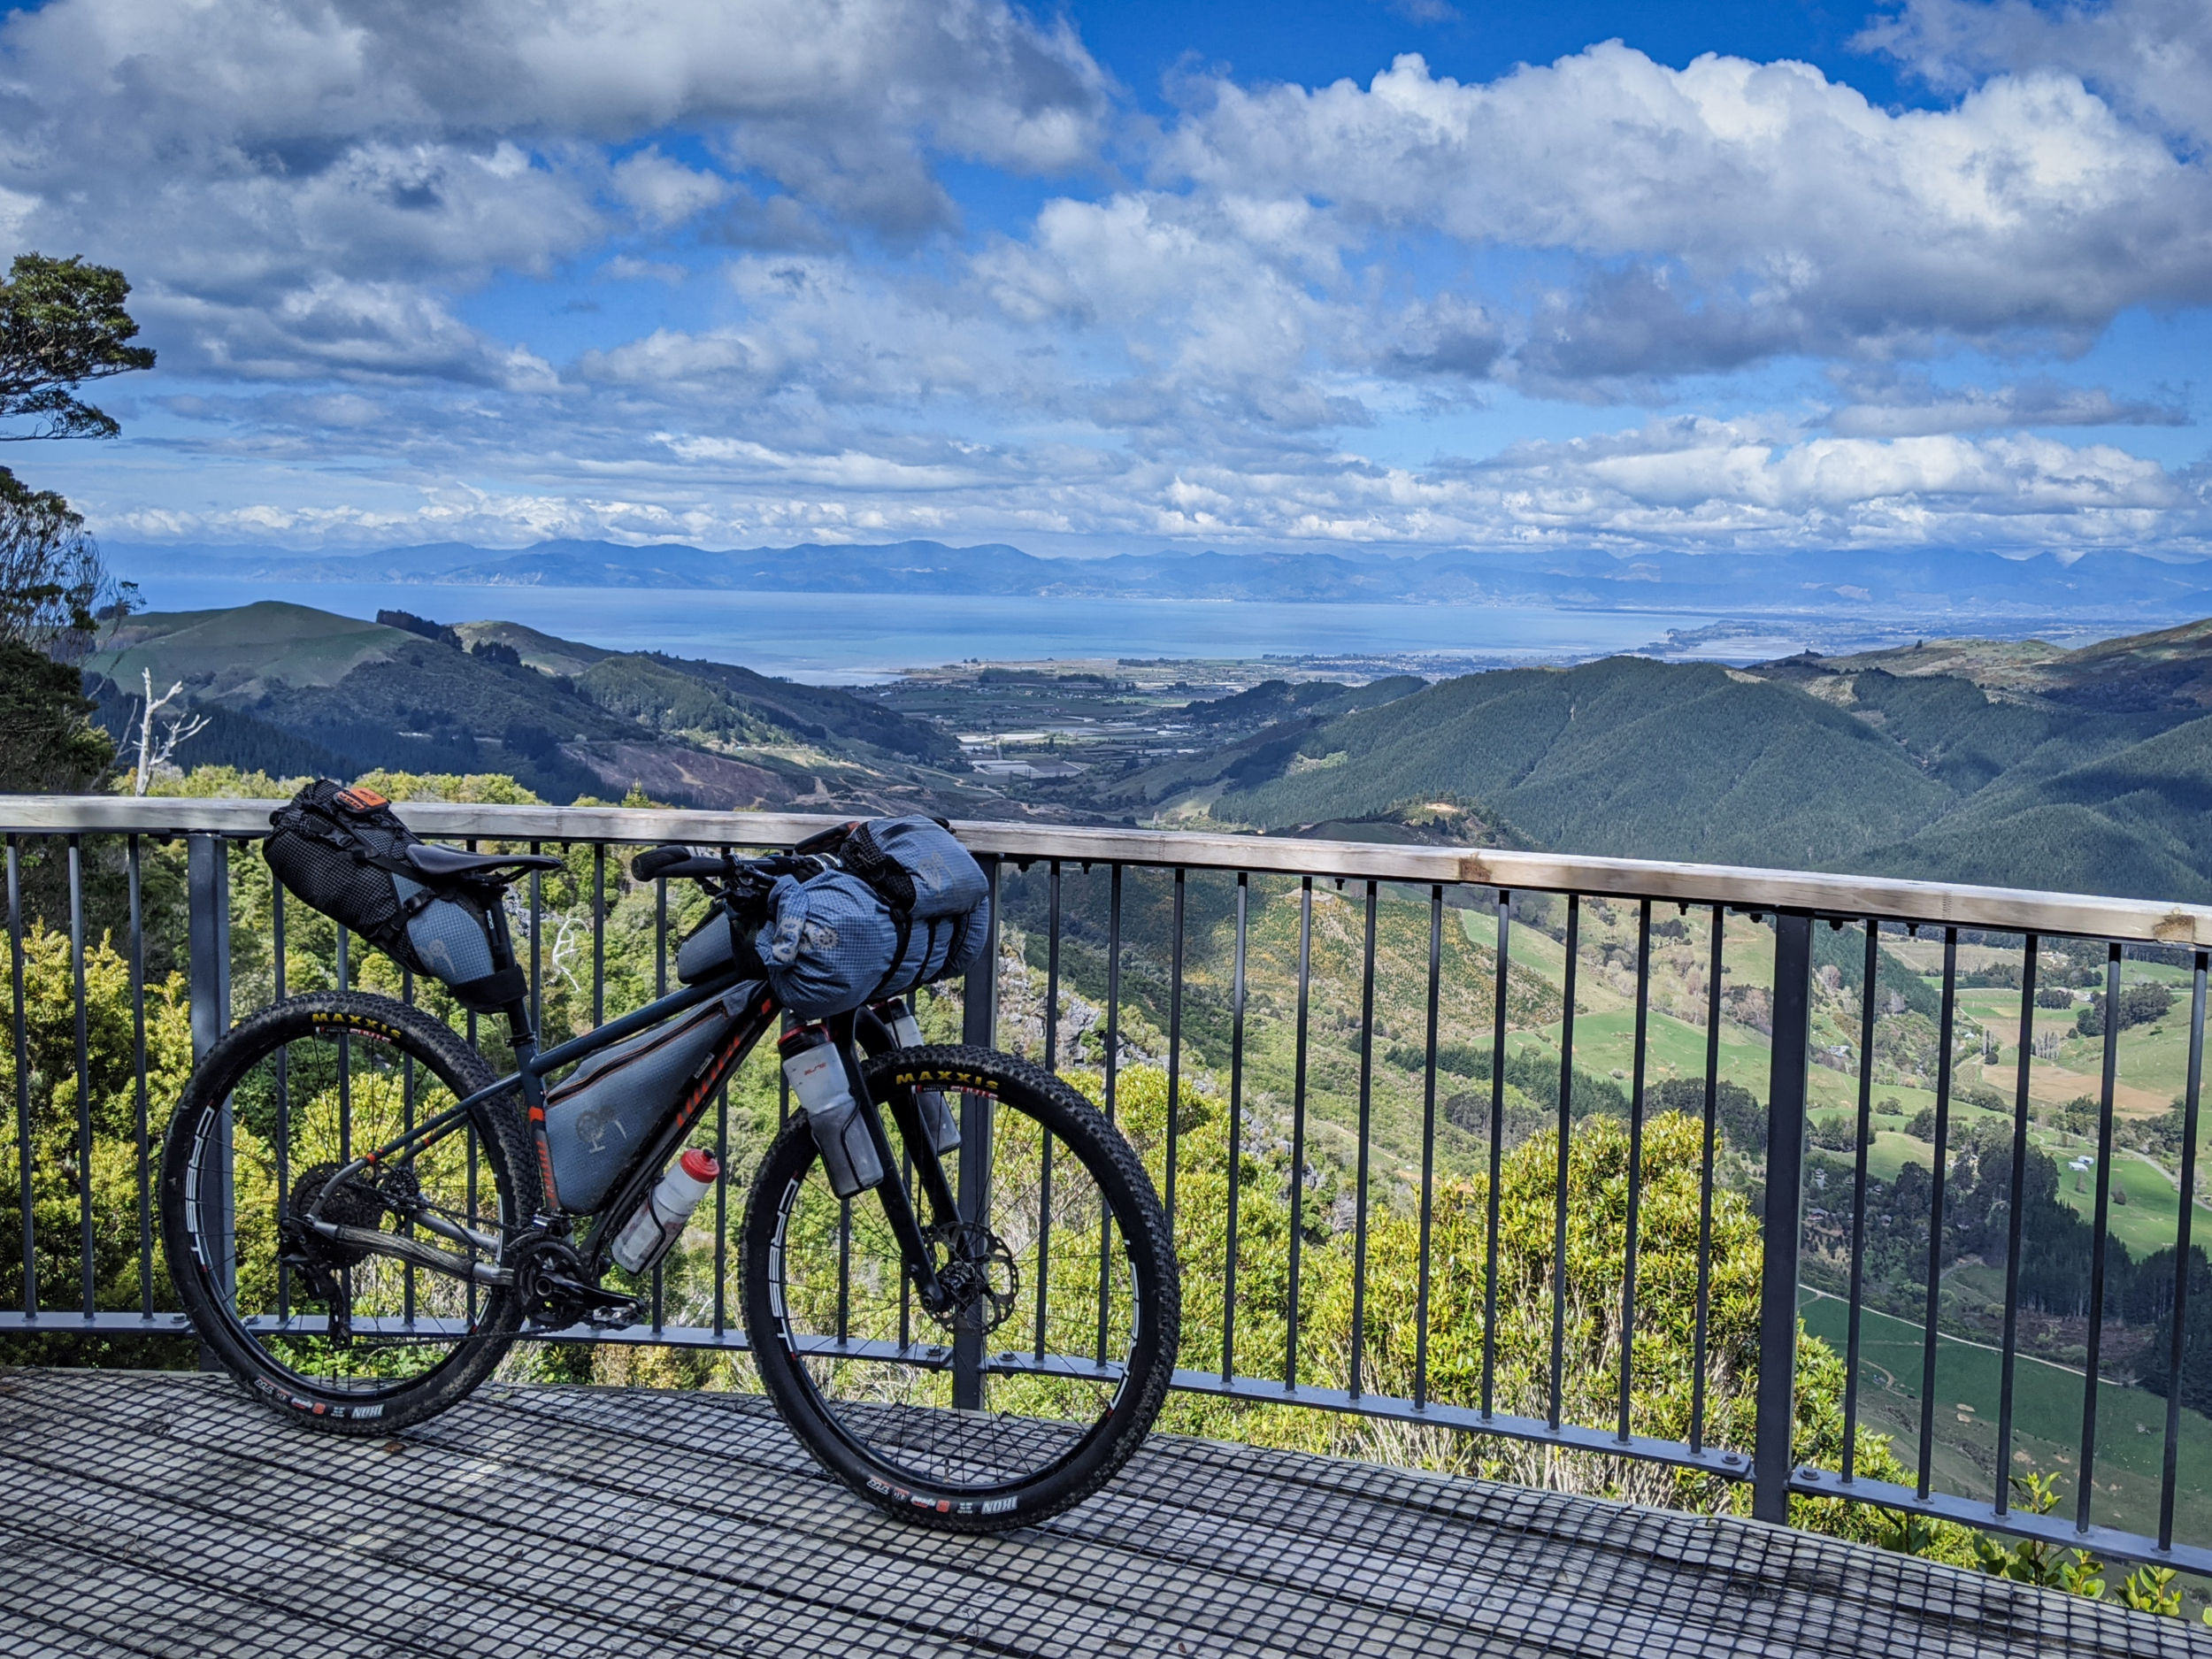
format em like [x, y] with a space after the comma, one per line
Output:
[445, 863]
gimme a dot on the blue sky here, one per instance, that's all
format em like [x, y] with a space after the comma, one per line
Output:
[1118, 277]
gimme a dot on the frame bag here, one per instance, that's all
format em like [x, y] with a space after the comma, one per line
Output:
[617, 1100]
[344, 853]
[910, 905]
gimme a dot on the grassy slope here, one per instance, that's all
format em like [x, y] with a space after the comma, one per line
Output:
[235, 655]
[1921, 775]
[580, 714]
[1624, 757]
[2046, 1418]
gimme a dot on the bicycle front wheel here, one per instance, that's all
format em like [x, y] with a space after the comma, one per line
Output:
[338, 1336]
[1073, 1311]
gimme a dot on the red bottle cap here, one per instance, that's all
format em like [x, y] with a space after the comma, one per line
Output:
[699, 1164]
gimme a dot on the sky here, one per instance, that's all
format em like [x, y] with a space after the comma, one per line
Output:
[1131, 276]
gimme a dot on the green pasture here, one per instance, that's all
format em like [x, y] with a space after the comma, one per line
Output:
[2145, 1222]
[2046, 1422]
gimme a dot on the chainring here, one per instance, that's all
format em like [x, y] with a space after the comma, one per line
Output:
[551, 1276]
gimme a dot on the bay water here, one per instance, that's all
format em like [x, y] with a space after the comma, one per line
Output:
[850, 639]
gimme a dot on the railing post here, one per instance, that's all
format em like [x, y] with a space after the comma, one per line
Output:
[1785, 1155]
[207, 891]
[978, 1027]
[207, 882]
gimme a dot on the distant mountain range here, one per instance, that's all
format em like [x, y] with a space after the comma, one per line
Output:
[1943, 591]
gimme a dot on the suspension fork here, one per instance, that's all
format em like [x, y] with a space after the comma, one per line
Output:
[876, 1037]
[898, 1204]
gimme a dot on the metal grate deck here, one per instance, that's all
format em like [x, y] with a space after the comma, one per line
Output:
[164, 1514]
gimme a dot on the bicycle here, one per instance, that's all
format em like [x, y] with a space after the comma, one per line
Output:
[362, 1221]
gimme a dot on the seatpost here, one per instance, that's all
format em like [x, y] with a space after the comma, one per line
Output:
[521, 1032]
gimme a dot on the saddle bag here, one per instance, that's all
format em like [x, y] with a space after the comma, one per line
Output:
[597, 1117]
[344, 852]
[910, 905]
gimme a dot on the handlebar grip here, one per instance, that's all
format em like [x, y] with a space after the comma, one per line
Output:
[827, 840]
[654, 860]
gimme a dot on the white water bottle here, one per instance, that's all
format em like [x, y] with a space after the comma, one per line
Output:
[815, 1067]
[660, 1219]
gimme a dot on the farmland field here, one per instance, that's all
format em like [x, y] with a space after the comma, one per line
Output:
[2046, 1422]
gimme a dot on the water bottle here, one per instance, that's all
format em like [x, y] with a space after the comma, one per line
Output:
[659, 1221]
[937, 1119]
[816, 1068]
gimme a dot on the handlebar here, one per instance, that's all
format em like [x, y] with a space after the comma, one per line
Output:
[659, 861]
[680, 862]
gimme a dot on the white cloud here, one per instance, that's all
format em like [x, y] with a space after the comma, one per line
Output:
[1735, 211]
[1688, 483]
[309, 193]
[238, 158]
[2151, 58]
[665, 192]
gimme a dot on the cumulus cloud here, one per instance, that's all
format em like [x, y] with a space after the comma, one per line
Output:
[312, 193]
[2151, 58]
[242, 157]
[1732, 211]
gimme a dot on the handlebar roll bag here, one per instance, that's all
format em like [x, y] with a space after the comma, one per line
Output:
[715, 947]
[910, 905]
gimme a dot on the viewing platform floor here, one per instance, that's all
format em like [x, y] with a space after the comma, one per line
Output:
[164, 1514]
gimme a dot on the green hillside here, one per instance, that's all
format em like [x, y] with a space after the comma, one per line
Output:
[1842, 765]
[290, 688]
[238, 655]
[1624, 756]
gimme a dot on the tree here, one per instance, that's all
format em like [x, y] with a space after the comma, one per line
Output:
[47, 745]
[60, 1177]
[151, 749]
[51, 575]
[62, 323]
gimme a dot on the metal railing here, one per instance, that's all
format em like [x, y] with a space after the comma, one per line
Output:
[1189, 937]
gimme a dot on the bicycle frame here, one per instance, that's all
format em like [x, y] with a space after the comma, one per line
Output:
[855, 1034]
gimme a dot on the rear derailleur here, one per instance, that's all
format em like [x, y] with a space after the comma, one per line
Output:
[557, 1292]
[324, 1264]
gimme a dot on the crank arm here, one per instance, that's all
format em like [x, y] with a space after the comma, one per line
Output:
[413, 1250]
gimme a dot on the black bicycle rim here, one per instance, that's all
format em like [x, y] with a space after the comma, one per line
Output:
[302, 1106]
[1056, 1377]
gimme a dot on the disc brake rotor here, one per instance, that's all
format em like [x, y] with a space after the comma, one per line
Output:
[980, 1280]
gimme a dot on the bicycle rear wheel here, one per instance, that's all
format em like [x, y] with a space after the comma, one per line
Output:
[1077, 1318]
[339, 1337]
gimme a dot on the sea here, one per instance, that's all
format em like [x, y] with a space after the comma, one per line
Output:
[858, 639]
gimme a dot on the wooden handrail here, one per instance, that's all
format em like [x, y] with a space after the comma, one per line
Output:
[2005, 910]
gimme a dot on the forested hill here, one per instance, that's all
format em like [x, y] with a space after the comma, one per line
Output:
[289, 689]
[2086, 771]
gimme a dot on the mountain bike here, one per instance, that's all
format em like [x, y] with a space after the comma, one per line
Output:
[363, 1220]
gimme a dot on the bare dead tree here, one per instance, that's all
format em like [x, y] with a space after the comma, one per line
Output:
[154, 750]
